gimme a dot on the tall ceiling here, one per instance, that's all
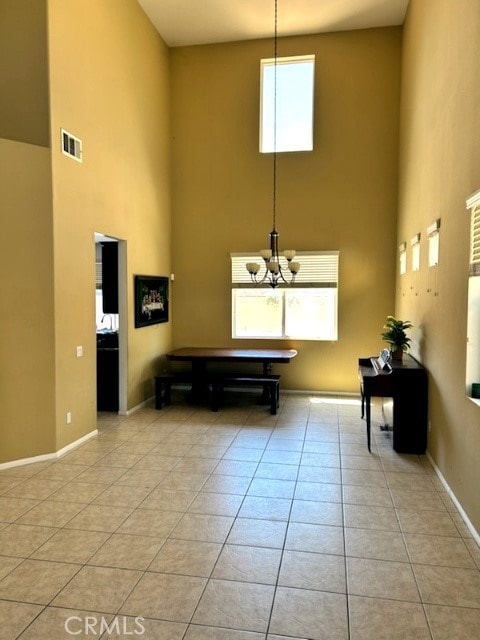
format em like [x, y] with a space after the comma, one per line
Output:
[188, 22]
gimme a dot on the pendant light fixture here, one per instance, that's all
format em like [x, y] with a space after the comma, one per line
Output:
[273, 274]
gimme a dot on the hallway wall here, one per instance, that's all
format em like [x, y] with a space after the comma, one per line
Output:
[27, 345]
[439, 169]
[108, 84]
[24, 109]
[114, 95]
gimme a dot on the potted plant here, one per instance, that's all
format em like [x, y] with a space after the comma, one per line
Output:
[395, 335]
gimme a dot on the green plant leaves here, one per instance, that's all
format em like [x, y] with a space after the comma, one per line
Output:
[395, 333]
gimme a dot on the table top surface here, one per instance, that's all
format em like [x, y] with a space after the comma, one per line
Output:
[219, 354]
[396, 367]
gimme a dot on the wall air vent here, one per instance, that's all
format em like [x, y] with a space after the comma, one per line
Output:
[71, 146]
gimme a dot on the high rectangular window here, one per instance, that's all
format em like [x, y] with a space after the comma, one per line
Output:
[286, 104]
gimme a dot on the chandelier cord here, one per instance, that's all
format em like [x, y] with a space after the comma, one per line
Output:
[275, 120]
[274, 274]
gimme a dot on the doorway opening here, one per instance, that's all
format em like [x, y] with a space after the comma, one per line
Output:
[110, 323]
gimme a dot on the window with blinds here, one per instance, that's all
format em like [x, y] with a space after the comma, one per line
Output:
[475, 241]
[306, 311]
[433, 234]
[415, 243]
[473, 309]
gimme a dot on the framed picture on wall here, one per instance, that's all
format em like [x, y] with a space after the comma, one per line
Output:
[151, 300]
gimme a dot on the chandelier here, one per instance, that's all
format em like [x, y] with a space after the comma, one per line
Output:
[273, 273]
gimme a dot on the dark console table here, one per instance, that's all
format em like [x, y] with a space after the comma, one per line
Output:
[406, 382]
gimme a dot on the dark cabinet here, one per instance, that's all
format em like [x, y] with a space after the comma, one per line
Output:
[107, 379]
[110, 277]
[405, 381]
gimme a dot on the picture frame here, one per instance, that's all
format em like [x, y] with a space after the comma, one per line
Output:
[151, 300]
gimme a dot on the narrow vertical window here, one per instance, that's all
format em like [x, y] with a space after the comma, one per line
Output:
[403, 258]
[433, 233]
[287, 88]
[415, 242]
[473, 310]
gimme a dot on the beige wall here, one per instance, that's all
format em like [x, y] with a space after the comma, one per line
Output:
[109, 86]
[27, 348]
[343, 195]
[24, 71]
[439, 168]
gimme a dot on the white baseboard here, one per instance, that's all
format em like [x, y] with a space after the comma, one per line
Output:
[347, 394]
[49, 456]
[77, 443]
[454, 499]
[145, 403]
[287, 392]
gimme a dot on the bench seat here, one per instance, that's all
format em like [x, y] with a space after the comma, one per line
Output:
[163, 386]
[271, 383]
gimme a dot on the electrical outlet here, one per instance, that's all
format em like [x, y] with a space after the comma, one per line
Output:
[69, 417]
[79, 351]
[429, 426]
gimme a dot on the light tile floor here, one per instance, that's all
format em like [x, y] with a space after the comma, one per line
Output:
[183, 524]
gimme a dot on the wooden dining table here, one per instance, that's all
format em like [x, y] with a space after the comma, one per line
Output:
[201, 357]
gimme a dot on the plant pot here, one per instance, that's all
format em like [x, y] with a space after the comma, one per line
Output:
[397, 354]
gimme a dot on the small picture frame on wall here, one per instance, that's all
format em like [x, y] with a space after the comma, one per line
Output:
[151, 300]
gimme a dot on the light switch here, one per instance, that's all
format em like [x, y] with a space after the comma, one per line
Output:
[79, 352]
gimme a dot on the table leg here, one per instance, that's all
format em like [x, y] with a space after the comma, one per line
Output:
[367, 402]
[267, 371]
[199, 389]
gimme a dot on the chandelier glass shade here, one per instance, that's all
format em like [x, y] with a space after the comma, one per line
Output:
[272, 273]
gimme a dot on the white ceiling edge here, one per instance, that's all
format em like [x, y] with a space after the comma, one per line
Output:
[191, 22]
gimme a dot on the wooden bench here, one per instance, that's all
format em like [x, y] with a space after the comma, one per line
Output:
[163, 386]
[271, 383]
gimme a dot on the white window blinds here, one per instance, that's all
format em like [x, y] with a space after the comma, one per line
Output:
[317, 268]
[475, 242]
